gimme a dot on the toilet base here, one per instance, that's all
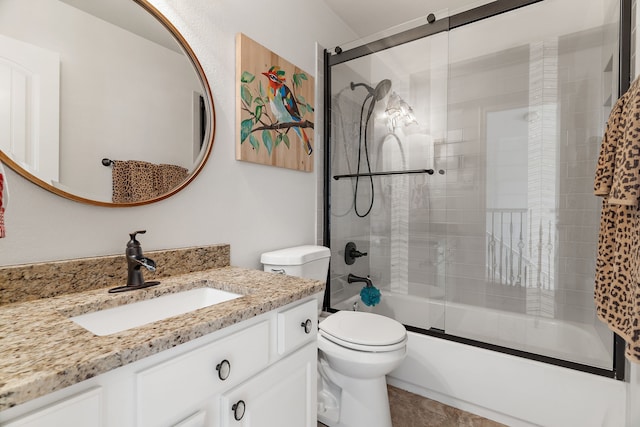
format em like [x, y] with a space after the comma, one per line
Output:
[363, 403]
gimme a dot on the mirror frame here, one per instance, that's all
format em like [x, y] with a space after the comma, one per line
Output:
[211, 127]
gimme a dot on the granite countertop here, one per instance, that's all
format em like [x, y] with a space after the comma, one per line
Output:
[42, 350]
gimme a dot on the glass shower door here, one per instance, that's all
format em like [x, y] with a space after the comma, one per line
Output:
[394, 208]
[526, 116]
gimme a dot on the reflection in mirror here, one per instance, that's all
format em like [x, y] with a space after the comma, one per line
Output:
[87, 80]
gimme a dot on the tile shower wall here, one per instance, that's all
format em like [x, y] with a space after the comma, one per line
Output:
[583, 110]
[345, 226]
[493, 83]
[410, 243]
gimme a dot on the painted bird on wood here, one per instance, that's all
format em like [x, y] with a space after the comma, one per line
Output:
[283, 104]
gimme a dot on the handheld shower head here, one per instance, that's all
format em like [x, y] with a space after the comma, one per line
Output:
[381, 90]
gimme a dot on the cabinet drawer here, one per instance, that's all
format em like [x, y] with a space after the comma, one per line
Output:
[81, 410]
[168, 391]
[291, 326]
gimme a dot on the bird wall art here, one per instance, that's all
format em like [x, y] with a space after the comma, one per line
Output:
[275, 109]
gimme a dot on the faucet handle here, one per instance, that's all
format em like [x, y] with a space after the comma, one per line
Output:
[351, 253]
[133, 235]
[133, 243]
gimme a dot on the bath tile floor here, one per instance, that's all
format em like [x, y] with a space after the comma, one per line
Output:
[411, 410]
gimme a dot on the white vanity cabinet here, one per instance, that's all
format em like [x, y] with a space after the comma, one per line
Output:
[268, 362]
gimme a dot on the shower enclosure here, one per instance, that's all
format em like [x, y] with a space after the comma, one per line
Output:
[459, 163]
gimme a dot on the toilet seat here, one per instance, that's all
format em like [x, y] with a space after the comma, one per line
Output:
[363, 331]
[364, 348]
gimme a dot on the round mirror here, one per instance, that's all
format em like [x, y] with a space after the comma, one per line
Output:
[102, 102]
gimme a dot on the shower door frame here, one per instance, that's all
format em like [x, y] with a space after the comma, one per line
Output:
[446, 24]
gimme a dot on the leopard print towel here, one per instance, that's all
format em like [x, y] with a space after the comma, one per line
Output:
[137, 181]
[617, 180]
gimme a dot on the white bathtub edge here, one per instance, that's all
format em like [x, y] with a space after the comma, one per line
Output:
[509, 389]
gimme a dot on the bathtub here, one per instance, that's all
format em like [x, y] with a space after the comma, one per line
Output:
[508, 389]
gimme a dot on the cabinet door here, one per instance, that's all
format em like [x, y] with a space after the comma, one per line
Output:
[284, 395]
[82, 410]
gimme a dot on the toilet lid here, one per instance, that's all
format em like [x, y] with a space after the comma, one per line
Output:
[363, 328]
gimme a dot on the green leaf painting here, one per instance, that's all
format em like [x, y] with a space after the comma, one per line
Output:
[245, 129]
[254, 142]
[245, 93]
[267, 140]
[247, 77]
[298, 78]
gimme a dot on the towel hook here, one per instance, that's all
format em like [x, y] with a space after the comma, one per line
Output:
[107, 162]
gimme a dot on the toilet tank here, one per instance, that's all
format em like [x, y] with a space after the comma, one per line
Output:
[308, 261]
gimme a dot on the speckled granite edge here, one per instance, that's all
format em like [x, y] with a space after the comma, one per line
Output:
[42, 350]
[45, 280]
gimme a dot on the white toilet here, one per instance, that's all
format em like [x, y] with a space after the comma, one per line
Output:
[356, 349]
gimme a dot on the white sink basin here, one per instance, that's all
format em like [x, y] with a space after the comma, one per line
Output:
[121, 318]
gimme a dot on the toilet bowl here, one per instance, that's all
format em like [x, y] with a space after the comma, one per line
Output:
[356, 350]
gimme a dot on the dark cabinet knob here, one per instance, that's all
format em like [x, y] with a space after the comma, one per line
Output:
[306, 325]
[239, 410]
[224, 369]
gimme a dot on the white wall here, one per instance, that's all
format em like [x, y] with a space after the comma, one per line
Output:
[252, 207]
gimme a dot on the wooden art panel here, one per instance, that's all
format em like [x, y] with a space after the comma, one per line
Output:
[274, 109]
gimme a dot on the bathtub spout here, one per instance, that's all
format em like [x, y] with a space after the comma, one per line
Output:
[352, 278]
[356, 306]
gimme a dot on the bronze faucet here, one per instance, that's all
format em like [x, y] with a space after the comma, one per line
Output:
[136, 260]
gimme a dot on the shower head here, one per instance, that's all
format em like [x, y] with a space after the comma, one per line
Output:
[381, 90]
